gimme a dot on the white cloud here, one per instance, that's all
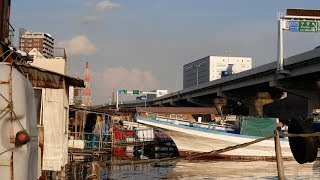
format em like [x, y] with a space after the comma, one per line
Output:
[90, 19]
[116, 78]
[129, 78]
[79, 45]
[106, 5]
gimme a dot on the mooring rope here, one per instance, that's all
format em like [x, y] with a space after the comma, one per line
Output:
[197, 155]
[301, 135]
[170, 159]
[230, 148]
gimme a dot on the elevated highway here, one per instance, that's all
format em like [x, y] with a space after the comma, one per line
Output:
[253, 89]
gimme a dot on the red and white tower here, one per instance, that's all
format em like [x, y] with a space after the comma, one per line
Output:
[86, 102]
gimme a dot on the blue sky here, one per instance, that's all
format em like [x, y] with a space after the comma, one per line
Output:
[143, 44]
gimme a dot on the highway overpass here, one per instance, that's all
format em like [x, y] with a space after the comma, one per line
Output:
[254, 89]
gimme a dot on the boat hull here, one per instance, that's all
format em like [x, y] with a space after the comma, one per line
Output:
[194, 140]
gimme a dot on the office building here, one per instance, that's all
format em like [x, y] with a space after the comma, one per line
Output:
[43, 42]
[210, 68]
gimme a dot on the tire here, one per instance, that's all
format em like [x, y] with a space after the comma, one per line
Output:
[304, 149]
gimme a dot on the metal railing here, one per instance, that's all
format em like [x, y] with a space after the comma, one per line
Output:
[100, 142]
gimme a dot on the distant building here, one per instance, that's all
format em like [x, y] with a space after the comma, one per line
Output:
[152, 94]
[43, 42]
[210, 68]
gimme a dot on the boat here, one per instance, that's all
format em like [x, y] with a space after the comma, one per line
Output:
[192, 137]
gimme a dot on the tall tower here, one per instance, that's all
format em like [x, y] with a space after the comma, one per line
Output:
[86, 95]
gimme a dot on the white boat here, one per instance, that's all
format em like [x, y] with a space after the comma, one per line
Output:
[19, 155]
[193, 137]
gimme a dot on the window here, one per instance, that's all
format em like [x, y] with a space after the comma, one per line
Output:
[38, 103]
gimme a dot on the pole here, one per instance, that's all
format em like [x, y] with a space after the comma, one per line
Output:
[117, 100]
[197, 76]
[228, 51]
[278, 156]
[280, 45]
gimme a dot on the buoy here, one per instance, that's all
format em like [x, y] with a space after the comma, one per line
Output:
[22, 137]
[304, 149]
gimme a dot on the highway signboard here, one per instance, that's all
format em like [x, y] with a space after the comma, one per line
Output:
[303, 26]
[308, 26]
[122, 91]
[294, 26]
[136, 92]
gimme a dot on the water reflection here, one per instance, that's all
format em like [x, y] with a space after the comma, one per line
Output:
[111, 168]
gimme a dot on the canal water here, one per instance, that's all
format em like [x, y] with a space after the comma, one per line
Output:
[88, 168]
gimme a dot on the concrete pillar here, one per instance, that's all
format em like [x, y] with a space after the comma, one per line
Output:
[255, 104]
[219, 103]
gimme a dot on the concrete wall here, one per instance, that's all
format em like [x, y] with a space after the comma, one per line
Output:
[55, 64]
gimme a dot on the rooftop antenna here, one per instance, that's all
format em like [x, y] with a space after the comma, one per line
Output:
[228, 53]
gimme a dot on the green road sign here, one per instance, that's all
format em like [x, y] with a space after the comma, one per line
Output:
[135, 91]
[123, 91]
[308, 26]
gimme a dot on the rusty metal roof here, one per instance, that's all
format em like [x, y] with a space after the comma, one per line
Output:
[48, 79]
[179, 110]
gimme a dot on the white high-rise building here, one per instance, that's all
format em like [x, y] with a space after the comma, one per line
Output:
[210, 68]
[43, 42]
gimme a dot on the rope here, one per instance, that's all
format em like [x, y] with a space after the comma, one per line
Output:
[7, 150]
[301, 135]
[16, 147]
[230, 148]
[213, 152]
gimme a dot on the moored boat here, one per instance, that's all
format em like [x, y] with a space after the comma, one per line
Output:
[192, 137]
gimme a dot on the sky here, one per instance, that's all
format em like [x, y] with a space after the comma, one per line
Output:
[143, 44]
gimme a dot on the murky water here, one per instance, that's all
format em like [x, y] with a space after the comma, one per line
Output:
[190, 170]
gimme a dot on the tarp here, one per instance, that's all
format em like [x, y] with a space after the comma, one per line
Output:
[254, 126]
[55, 112]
